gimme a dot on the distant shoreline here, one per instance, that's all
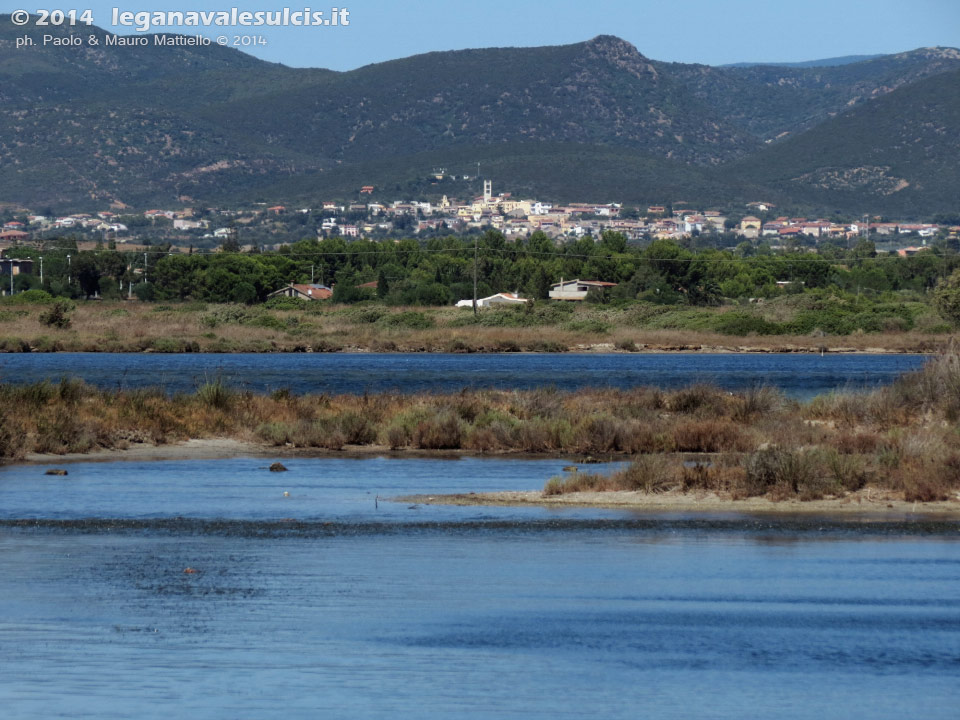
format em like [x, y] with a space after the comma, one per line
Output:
[863, 503]
[579, 349]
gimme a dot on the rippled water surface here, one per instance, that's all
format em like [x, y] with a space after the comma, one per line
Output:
[800, 375]
[330, 603]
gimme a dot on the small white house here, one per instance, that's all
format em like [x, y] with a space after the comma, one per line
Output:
[495, 300]
[576, 289]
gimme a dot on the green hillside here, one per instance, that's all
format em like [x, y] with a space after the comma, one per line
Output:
[774, 102]
[896, 155]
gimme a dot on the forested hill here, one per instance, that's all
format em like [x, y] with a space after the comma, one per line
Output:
[893, 155]
[597, 120]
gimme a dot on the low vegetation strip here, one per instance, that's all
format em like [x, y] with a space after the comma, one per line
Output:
[36, 322]
[902, 438]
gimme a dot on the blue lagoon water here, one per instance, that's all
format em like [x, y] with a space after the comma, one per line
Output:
[798, 375]
[330, 602]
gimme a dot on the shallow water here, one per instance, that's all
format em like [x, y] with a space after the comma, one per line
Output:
[799, 375]
[325, 603]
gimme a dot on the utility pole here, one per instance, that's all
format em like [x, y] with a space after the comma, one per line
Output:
[311, 274]
[475, 246]
[69, 266]
[144, 267]
[41, 271]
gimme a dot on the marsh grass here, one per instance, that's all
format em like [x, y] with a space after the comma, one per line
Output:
[301, 326]
[901, 439]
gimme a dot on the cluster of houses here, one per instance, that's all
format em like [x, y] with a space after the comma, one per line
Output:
[783, 228]
[105, 222]
[513, 217]
[568, 290]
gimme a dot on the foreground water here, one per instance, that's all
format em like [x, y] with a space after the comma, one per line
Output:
[329, 603]
[798, 375]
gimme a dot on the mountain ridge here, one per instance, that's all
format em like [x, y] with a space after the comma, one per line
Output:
[151, 125]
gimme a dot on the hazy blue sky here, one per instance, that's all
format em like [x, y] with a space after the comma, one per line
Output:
[704, 31]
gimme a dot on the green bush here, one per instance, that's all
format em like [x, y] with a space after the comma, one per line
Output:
[589, 325]
[227, 314]
[367, 314]
[946, 298]
[282, 302]
[271, 322]
[740, 323]
[57, 315]
[216, 395]
[408, 319]
[29, 297]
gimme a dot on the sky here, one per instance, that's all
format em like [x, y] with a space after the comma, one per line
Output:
[713, 32]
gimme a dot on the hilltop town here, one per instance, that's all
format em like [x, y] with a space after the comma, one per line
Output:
[367, 216]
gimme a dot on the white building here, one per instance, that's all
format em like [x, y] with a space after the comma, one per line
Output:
[576, 289]
[495, 300]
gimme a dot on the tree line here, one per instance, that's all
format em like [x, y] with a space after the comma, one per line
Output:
[439, 271]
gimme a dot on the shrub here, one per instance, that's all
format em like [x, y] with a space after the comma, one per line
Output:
[276, 433]
[356, 429]
[920, 486]
[599, 434]
[30, 297]
[739, 323]
[859, 443]
[698, 398]
[540, 435]
[270, 322]
[408, 319]
[848, 471]
[216, 395]
[647, 474]
[57, 315]
[367, 315]
[282, 302]
[70, 390]
[227, 314]
[145, 292]
[589, 325]
[441, 433]
[35, 395]
[708, 436]
[13, 437]
[62, 433]
[398, 436]
[783, 472]
[946, 297]
[758, 400]
[554, 486]
[171, 345]
[644, 437]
